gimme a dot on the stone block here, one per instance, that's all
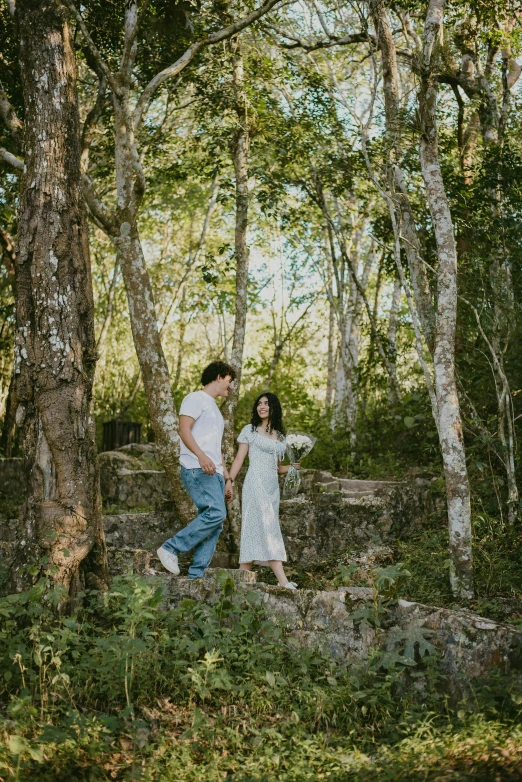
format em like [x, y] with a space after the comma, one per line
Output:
[139, 530]
[322, 476]
[238, 576]
[468, 644]
[139, 450]
[224, 559]
[141, 561]
[129, 477]
[327, 487]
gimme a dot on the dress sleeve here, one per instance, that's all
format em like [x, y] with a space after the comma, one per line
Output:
[245, 435]
[191, 406]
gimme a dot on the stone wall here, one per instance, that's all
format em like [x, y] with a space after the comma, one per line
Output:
[464, 643]
[131, 477]
[329, 516]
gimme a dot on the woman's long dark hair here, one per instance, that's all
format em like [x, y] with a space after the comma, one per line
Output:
[275, 413]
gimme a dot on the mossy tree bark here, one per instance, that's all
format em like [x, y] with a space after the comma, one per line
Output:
[55, 352]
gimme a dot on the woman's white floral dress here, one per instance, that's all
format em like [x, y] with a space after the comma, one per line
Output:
[261, 537]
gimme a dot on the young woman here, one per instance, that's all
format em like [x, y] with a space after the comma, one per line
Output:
[264, 442]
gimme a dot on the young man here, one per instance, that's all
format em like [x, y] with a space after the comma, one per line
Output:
[203, 471]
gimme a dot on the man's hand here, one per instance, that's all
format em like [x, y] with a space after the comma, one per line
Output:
[229, 492]
[207, 465]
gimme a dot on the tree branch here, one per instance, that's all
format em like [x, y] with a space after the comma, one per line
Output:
[11, 160]
[190, 53]
[131, 29]
[102, 66]
[91, 119]
[110, 304]
[11, 120]
[101, 213]
[333, 40]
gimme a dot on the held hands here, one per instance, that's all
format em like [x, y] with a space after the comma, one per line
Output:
[207, 465]
[229, 492]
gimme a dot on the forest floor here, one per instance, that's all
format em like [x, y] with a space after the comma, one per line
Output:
[124, 690]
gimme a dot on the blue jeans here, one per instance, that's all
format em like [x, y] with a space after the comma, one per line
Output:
[208, 495]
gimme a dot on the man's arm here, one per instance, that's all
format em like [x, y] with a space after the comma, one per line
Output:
[185, 432]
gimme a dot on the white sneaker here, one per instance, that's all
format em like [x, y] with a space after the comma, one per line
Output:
[289, 585]
[168, 560]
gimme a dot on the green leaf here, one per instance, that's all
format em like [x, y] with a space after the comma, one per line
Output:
[269, 676]
[409, 422]
[17, 745]
[332, 681]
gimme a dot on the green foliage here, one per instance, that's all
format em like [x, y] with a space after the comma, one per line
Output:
[389, 581]
[124, 689]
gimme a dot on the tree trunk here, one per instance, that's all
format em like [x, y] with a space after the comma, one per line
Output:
[239, 150]
[443, 395]
[332, 346]
[55, 351]
[390, 74]
[450, 423]
[110, 304]
[8, 250]
[181, 339]
[9, 423]
[153, 365]
[502, 287]
[348, 370]
[392, 339]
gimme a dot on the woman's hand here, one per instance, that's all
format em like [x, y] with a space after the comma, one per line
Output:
[283, 469]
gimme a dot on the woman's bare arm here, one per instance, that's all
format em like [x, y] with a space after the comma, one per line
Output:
[282, 469]
[238, 461]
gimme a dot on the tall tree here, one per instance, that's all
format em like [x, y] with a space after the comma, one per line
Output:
[239, 146]
[440, 375]
[55, 348]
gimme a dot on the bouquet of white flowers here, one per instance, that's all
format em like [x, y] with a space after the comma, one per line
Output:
[298, 445]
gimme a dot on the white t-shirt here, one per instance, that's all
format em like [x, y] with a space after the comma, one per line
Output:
[207, 430]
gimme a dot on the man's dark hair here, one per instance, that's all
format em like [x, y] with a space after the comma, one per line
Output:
[215, 370]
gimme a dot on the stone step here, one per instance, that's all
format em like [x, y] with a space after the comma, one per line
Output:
[468, 645]
[354, 484]
[356, 494]
[239, 576]
[125, 558]
[327, 487]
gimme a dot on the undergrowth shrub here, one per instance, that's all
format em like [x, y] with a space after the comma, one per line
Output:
[126, 689]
